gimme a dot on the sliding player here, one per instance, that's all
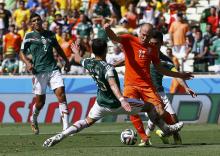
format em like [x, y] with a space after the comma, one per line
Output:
[109, 97]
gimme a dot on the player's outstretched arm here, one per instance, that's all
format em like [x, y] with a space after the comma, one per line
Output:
[118, 94]
[164, 71]
[186, 87]
[111, 34]
[76, 51]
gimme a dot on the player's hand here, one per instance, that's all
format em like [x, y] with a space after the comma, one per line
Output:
[29, 67]
[67, 66]
[191, 92]
[186, 76]
[75, 48]
[107, 26]
[125, 105]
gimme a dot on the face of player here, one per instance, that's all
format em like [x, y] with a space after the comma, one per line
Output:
[36, 23]
[145, 34]
[156, 42]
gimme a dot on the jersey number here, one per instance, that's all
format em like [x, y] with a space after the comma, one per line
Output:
[100, 83]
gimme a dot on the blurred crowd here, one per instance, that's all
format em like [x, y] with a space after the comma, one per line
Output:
[193, 46]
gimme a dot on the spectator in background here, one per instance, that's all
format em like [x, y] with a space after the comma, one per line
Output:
[215, 51]
[101, 9]
[116, 57]
[59, 34]
[131, 16]
[208, 34]
[177, 31]
[84, 28]
[1, 60]
[98, 31]
[24, 29]
[66, 45]
[162, 26]
[213, 18]
[10, 63]
[45, 25]
[5, 17]
[57, 21]
[12, 40]
[11, 4]
[21, 14]
[200, 49]
[32, 5]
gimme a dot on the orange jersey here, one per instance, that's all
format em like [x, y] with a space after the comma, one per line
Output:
[66, 48]
[137, 61]
[12, 40]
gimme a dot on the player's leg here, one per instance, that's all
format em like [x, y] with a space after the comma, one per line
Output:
[60, 93]
[169, 109]
[96, 113]
[57, 84]
[75, 128]
[132, 92]
[39, 89]
[40, 101]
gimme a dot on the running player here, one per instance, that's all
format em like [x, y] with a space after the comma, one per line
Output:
[109, 97]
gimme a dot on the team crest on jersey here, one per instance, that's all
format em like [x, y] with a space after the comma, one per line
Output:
[44, 41]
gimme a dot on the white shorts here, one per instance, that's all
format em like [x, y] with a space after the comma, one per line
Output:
[179, 51]
[97, 112]
[168, 107]
[41, 81]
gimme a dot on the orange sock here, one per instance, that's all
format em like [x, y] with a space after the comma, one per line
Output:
[168, 118]
[138, 124]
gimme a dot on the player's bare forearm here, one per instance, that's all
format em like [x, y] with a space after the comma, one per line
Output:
[182, 83]
[186, 87]
[164, 71]
[111, 34]
[115, 88]
[23, 58]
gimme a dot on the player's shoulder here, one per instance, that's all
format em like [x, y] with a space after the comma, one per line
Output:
[30, 34]
[128, 36]
[49, 33]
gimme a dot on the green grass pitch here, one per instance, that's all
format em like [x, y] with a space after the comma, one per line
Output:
[103, 139]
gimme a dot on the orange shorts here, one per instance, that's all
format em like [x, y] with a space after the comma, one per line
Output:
[147, 94]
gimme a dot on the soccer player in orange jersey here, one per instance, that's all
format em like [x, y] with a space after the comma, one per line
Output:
[138, 84]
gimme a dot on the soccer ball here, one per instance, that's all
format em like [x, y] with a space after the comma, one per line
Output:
[128, 137]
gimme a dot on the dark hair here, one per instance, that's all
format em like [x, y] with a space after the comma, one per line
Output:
[99, 46]
[157, 34]
[198, 30]
[34, 15]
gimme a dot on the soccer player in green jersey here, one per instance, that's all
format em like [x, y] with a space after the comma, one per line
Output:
[157, 39]
[39, 44]
[109, 97]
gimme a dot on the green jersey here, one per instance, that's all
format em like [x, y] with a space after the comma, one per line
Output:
[157, 77]
[101, 72]
[40, 46]
[216, 48]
